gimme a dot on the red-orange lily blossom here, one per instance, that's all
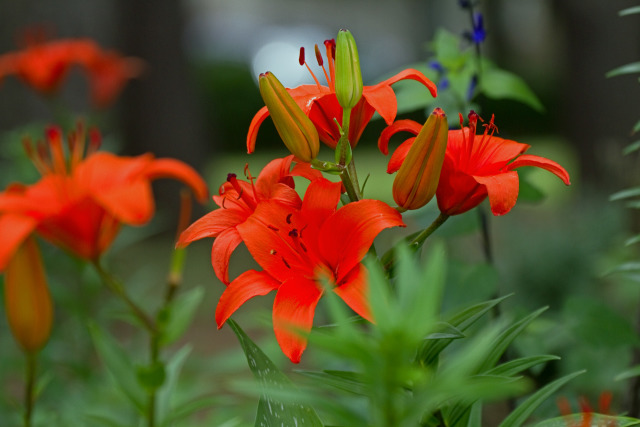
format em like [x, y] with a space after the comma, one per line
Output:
[475, 166]
[321, 104]
[237, 201]
[80, 203]
[301, 249]
[43, 65]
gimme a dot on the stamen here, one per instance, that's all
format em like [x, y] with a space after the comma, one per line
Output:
[271, 227]
[54, 137]
[302, 229]
[321, 64]
[304, 248]
[273, 252]
[302, 61]
[95, 141]
[289, 218]
[35, 158]
[293, 233]
[330, 46]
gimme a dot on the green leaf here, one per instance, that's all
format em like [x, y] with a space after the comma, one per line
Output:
[632, 240]
[178, 315]
[189, 407]
[631, 68]
[163, 397]
[445, 330]
[104, 420]
[596, 420]
[430, 349]
[634, 146]
[625, 194]
[506, 337]
[119, 366]
[343, 380]
[272, 412]
[629, 373]
[636, 127]
[516, 366]
[526, 408]
[151, 377]
[499, 84]
[629, 11]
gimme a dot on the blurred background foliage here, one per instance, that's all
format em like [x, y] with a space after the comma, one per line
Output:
[195, 102]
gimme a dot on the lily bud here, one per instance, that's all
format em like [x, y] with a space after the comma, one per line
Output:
[348, 76]
[27, 299]
[294, 127]
[417, 180]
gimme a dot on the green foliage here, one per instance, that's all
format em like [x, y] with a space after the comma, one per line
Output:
[273, 411]
[177, 316]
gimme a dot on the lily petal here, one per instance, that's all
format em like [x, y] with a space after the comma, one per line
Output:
[502, 189]
[397, 126]
[221, 251]
[14, 229]
[257, 120]
[399, 155]
[354, 291]
[171, 168]
[321, 198]
[211, 225]
[346, 236]
[246, 286]
[293, 309]
[541, 162]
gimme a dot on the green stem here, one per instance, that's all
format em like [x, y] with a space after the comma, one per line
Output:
[419, 240]
[118, 289]
[29, 393]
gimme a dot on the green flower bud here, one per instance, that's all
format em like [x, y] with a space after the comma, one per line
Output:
[297, 131]
[348, 76]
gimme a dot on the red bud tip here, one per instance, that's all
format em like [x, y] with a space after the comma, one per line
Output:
[301, 58]
[319, 56]
[438, 112]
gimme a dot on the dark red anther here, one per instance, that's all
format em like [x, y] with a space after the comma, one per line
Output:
[319, 56]
[95, 139]
[53, 132]
[293, 233]
[331, 43]
[271, 227]
[289, 218]
[304, 248]
[231, 177]
[301, 58]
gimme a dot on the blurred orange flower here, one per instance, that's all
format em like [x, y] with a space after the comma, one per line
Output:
[43, 65]
[81, 201]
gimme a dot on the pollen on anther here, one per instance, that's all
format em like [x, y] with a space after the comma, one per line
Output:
[273, 252]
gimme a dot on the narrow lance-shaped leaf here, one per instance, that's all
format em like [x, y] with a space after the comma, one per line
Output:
[272, 412]
[526, 408]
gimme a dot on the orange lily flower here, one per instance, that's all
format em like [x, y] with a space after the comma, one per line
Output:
[301, 250]
[237, 201]
[44, 65]
[80, 202]
[475, 166]
[321, 104]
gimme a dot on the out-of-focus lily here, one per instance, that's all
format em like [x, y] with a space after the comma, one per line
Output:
[82, 199]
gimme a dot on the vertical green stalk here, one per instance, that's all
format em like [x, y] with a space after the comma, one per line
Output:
[29, 392]
[419, 240]
[343, 158]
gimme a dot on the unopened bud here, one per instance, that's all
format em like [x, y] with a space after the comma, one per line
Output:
[417, 180]
[27, 299]
[348, 75]
[294, 127]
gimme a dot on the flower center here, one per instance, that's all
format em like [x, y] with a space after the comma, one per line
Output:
[330, 76]
[49, 157]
